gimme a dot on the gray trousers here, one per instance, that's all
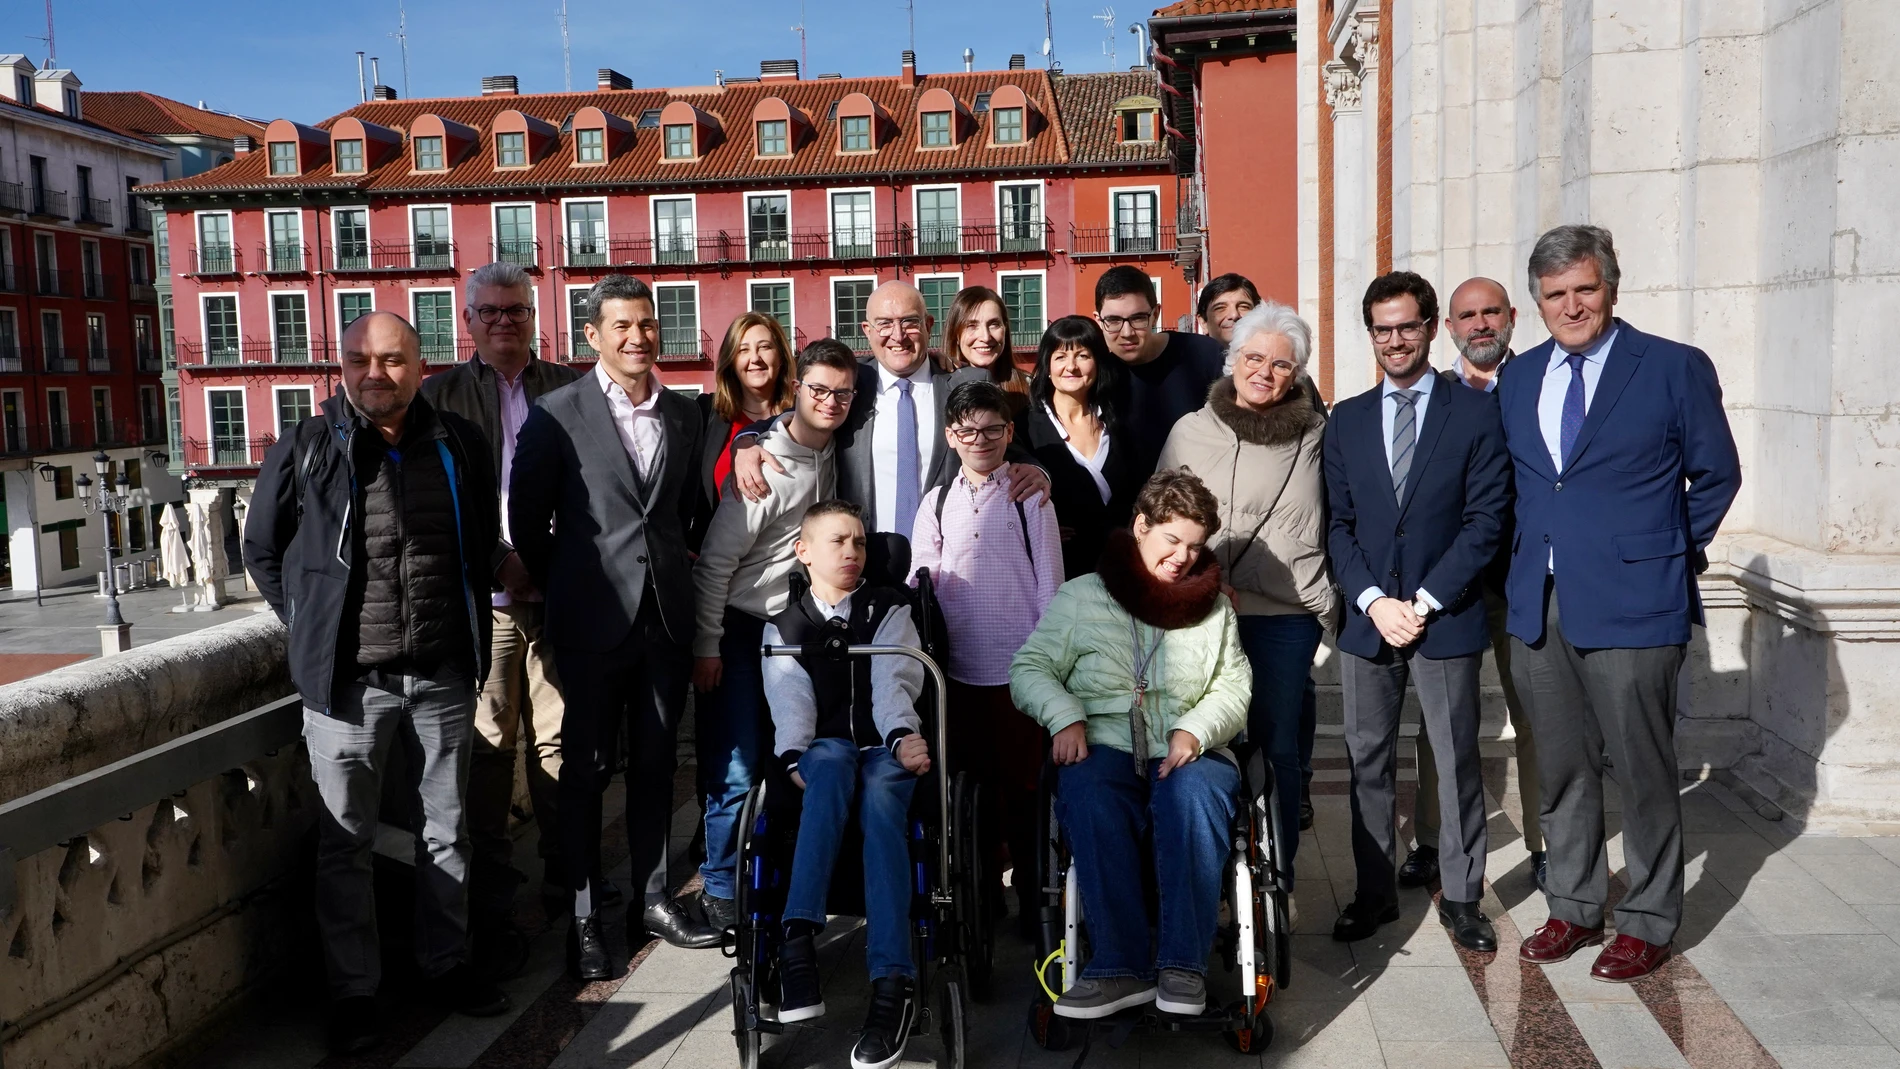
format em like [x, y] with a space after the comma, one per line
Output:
[1425, 810]
[432, 719]
[1585, 705]
[1374, 692]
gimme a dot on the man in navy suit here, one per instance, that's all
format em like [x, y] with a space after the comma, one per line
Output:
[1418, 482]
[1625, 467]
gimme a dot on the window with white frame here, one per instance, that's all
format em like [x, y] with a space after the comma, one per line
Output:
[429, 154]
[679, 141]
[514, 234]
[939, 227]
[230, 445]
[774, 298]
[434, 317]
[13, 420]
[352, 238]
[92, 275]
[98, 357]
[1019, 216]
[1008, 125]
[673, 234]
[214, 243]
[1135, 220]
[221, 328]
[936, 129]
[773, 140]
[511, 150]
[678, 308]
[1023, 301]
[9, 340]
[578, 347]
[768, 226]
[290, 327]
[586, 233]
[850, 300]
[349, 156]
[286, 240]
[283, 158]
[854, 133]
[294, 405]
[939, 291]
[429, 226]
[352, 305]
[590, 145]
[851, 223]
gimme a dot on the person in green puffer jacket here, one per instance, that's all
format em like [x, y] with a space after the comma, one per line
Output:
[1138, 674]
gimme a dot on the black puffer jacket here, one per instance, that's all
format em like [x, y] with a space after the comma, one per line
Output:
[302, 548]
[407, 598]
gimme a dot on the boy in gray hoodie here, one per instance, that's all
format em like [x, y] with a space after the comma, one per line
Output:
[740, 582]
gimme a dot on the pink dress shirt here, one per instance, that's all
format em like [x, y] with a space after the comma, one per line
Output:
[638, 425]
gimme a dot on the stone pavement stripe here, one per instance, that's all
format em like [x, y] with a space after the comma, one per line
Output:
[1531, 1021]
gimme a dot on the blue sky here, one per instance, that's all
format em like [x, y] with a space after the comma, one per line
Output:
[275, 58]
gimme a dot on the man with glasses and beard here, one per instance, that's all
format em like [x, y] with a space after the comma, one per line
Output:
[521, 700]
[1479, 319]
[1418, 482]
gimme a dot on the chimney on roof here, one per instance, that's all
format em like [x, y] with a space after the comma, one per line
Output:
[719, 76]
[909, 78]
[381, 92]
[500, 85]
[242, 144]
[969, 60]
[608, 78]
[1016, 62]
[773, 70]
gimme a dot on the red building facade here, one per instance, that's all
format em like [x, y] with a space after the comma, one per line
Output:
[786, 195]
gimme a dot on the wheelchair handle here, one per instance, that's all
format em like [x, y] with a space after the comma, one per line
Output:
[943, 723]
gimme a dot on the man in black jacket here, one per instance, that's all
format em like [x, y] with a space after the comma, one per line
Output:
[521, 699]
[371, 534]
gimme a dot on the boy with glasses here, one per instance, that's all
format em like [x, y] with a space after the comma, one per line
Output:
[740, 582]
[996, 566]
[1169, 372]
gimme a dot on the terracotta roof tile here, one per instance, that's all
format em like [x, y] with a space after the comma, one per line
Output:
[733, 159]
[1088, 116]
[150, 115]
[86, 123]
[1220, 7]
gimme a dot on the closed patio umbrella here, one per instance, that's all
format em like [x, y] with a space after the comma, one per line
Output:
[174, 557]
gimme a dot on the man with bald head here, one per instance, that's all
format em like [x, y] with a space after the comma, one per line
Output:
[1480, 320]
[891, 448]
[370, 535]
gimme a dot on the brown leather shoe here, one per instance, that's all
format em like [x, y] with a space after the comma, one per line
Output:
[1556, 941]
[1628, 958]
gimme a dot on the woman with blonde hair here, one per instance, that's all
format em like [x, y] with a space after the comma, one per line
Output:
[752, 381]
[976, 334]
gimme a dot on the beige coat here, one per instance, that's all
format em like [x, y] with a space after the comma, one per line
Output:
[1246, 458]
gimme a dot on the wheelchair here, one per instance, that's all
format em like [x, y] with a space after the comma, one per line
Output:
[951, 937]
[1254, 940]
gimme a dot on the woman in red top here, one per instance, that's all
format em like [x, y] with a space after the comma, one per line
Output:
[752, 382]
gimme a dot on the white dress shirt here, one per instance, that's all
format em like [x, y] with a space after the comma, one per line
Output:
[1388, 418]
[1550, 402]
[1459, 366]
[1093, 465]
[514, 412]
[884, 440]
[639, 426]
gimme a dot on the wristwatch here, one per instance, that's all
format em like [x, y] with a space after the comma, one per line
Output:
[1421, 608]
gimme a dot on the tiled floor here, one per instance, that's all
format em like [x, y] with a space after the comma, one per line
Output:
[1788, 957]
[67, 619]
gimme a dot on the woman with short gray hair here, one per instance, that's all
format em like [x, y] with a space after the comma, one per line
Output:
[1257, 447]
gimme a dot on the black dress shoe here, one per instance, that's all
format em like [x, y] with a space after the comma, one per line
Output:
[1540, 870]
[354, 1025]
[1306, 807]
[1468, 925]
[1362, 917]
[587, 950]
[1420, 868]
[670, 920]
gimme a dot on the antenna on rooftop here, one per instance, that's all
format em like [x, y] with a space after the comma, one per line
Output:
[402, 38]
[52, 50]
[1048, 37]
[567, 62]
[799, 29]
[1107, 19]
[362, 87]
[910, 8]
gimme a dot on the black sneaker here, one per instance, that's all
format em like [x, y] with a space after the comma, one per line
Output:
[354, 1025]
[800, 998]
[887, 1025]
[463, 990]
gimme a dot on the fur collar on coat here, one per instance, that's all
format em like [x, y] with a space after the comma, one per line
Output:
[1285, 422]
[1168, 606]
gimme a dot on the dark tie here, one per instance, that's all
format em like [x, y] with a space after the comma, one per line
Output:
[1573, 408]
[1404, 437]
[906, 460]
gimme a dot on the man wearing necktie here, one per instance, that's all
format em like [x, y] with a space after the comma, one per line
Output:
[1624, 469]
[1418, 483]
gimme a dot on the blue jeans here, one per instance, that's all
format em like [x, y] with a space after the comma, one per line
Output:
[729, 729]
[1108, 814]
[834, 771]
[1281, 649]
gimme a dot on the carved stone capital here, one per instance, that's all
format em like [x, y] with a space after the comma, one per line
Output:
[1342, 86]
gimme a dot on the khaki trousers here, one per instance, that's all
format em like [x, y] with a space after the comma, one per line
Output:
[520, 702]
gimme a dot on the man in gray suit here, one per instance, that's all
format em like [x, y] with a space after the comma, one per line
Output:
[601, 494]
[891, 447]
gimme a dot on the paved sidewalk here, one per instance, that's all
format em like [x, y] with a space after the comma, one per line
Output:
[1789, 958]
[64, 628]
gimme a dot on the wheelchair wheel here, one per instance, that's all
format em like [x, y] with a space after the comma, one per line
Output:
[1049, 1031]
[1249, 1040]
[748, 1039]
[1275, 887]
[952, 1015]
[975, 912]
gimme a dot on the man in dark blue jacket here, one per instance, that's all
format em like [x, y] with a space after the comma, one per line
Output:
[1625, 467]
[1418, 482]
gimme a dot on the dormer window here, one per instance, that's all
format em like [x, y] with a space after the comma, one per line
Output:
[429, 154]
[72, 103]
[773, 138]
[590, 146]
[936, 129]
[854, 133]
[1009, 126]
[982, 103]
[1138, 126]
[511, 150]
[649, 119]
[283, 157]
[349, 157]
[679, 141]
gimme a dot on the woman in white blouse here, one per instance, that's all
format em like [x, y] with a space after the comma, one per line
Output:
[1070, 428]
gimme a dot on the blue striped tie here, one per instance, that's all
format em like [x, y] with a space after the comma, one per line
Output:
[1573, 408]
[1404, 437]
[907, 461]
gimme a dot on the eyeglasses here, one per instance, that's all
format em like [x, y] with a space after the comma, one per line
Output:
[1114, 324]
[1412, 331]
[514, 313]
[908, 325]
[821, 394]
[990, 433]
[1255, 361]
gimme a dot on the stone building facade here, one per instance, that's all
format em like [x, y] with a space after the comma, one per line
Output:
[1744, 153]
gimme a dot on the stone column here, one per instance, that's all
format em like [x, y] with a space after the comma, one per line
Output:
[1355, 195]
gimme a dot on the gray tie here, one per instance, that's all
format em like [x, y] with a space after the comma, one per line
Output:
[1404, 436]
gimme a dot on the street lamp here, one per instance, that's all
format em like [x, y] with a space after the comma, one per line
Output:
[110, 504]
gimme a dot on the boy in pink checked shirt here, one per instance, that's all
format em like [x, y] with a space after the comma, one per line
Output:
[996, 566]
